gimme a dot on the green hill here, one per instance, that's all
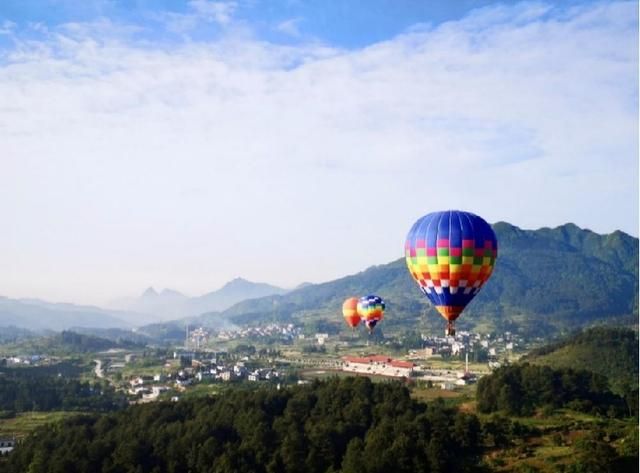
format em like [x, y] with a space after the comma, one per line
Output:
[609, 351]
[66, 342]
[545, 280]
[561, 276]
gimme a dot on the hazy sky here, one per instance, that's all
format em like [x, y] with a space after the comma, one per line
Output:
[183, 143]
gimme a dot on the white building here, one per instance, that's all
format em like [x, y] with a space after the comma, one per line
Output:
[457, 348]
[379, 365]
[6, 445]
[226, 375]
[137, 381]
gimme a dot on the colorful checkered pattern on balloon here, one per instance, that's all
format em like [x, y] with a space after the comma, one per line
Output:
[371, 308]
[451, 255]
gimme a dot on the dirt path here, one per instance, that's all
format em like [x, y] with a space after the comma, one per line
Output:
[98, 369]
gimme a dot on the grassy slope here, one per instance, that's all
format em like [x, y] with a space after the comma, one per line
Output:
[25, 422]
[612, 352]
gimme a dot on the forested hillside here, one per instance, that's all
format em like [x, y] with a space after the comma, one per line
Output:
[608, 351]
[544, 280]
[54, 387]
[593, 371]
[67, 342]
[350, 425]
[521, 389]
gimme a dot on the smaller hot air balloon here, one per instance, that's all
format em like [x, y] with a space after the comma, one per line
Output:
[350, 312]
[371, 309]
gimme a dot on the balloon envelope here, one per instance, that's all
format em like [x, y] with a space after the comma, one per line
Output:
[371, 309]
[350, 312]
[451, 255]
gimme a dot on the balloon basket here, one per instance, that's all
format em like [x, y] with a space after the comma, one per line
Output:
[450, 331]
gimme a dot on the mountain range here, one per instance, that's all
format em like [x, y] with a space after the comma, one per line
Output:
[37, 315]
[545, 280]
[169, 304]
[150, 307]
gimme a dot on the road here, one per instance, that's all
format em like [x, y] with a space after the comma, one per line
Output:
[98, 369]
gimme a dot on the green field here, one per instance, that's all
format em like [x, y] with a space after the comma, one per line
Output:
[24, 423]
[430, 394]
[324, 373]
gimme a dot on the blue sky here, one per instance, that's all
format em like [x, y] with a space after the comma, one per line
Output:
[182, 144]
[347, 24]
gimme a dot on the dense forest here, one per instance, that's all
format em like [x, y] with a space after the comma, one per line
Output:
[55, 387]
[350, 425]
[521, 389]
[19, 394]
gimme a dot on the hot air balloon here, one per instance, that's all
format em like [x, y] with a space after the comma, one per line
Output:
[451, 255]
[350, 312]
[371, 309]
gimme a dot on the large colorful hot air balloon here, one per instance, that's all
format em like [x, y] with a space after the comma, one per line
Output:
[451, 254]
[350, 312]
[371, 309]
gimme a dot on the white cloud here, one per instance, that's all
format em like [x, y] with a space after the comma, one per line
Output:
[220, 12]
[290, 27]
[125, 164]
[7, 27]
[199, 12]
[177, 22]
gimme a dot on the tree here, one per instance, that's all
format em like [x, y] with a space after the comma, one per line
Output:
[466, 430]
[594, 455]
[352, 461]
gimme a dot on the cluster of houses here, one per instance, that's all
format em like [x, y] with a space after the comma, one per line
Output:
[466, 342]
[237, 371]
[284, 331]
[446, 379]
[198, 337]
[27, 360]
[196, 367]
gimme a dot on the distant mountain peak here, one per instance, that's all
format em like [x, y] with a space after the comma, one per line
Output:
[150, 292]
[572, 226]
[237, 283]
[234, 291]
[171, 292]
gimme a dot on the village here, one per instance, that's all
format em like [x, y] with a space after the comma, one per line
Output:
[441, 361]
[283, 354]
[280, 355]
